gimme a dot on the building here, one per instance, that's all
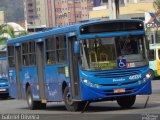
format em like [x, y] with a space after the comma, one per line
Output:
[30, 11]
[1, 17]
[41, 13]
[128, 9]
[50, 13]
[67, 12]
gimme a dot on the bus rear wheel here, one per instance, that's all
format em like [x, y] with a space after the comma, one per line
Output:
[32, 105]
[126, 102]
[69, 104]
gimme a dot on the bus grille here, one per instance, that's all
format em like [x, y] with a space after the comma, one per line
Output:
[119, 84]
[116, 74]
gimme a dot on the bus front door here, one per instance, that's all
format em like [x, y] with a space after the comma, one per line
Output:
[18, 70]
[40, 69]
[73, 68]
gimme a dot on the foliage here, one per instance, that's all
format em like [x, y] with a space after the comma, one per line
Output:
[156, 5]
[7, 32]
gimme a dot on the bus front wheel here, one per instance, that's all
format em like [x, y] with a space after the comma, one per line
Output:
[127, 101]
[31, 103]
[69, 104]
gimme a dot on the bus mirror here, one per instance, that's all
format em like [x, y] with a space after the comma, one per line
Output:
[76, 47]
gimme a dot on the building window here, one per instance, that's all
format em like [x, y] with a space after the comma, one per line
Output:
[70, 1]
[11, 58]
[77, 1]
[104, 1]
[30, 5]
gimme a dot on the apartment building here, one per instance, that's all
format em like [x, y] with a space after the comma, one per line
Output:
[67, 12]
[128, 9]
[30, 11]
[41, 13]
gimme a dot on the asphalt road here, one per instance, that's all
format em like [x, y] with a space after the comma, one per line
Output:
[99, 110]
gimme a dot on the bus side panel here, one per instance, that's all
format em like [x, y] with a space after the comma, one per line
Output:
[52, 85]
[12, 84]
[61, 79]
[29, 75]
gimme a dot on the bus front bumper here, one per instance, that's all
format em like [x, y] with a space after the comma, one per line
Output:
[92, 93]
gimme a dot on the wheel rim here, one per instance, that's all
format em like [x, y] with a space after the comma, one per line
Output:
[68, 99]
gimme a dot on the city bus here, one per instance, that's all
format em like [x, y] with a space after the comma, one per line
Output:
[154, 60]
[81, 63]
[4, 85]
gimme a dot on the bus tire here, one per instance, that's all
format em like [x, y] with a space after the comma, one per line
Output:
[32, 105]
[69, 104]
[126, 102]
[42, 105]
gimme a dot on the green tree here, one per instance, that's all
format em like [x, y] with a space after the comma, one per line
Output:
[156, 5]
[7, 32]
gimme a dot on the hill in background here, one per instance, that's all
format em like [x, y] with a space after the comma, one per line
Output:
[13, 10]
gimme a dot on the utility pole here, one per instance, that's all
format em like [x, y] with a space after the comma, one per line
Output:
[113, 9]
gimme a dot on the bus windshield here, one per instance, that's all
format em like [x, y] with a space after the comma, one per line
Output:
[103, 53]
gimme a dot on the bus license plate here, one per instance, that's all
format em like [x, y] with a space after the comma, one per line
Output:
[120, 90]
[2, 90]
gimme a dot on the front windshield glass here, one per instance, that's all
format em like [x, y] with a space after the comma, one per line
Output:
[109, 53]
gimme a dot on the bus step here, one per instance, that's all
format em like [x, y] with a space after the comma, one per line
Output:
[75, 100]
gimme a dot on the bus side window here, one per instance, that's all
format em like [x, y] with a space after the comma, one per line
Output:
[11, 59]
[61, 53]
[25, 53]
[50, 50]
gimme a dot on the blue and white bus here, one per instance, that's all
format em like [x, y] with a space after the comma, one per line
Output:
[4, 85]
[94, 60]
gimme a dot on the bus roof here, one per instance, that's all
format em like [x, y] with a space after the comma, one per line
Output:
[60, 30]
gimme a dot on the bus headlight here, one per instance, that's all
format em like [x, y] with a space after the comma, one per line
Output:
[85, 81]
[148, 75]
[90, 84]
